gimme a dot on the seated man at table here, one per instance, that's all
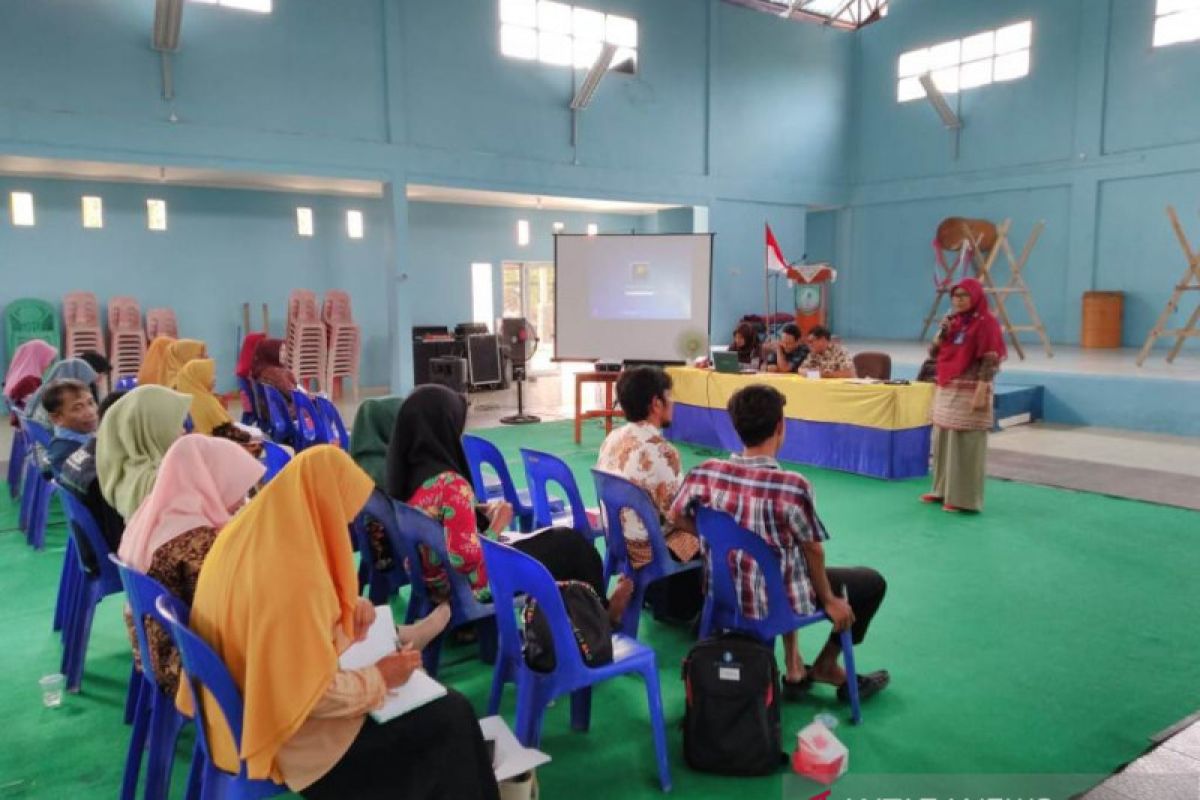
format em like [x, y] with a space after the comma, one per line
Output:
[778, 507]
[638, 452]
[790, 350]
[827, 356]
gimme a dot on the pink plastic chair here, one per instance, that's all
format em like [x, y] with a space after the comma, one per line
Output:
[127, 339]
[81, 324]
[307, 353]
[345, 340]
[161, 322]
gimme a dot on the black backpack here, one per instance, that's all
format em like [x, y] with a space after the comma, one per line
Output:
[589, 623]
[731, 725]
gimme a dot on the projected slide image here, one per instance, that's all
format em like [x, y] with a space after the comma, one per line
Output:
[660, 289]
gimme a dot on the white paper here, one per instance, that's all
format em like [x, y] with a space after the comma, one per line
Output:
[511, 759]
[418, 690]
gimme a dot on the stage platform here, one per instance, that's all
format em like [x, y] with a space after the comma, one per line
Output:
[1088, 387]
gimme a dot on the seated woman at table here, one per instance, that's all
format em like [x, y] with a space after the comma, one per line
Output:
[278, 601]
[427, 468]
[746, 344]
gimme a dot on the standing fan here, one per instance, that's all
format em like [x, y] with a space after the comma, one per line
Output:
[691, 344]
[521, 338]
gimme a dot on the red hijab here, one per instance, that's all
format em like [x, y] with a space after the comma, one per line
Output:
[266, 355]
[246, 357]
[970, 335]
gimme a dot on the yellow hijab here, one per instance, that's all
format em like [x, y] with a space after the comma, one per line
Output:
[179, 353]
[196, 378]
[154, 361]
[278, 580]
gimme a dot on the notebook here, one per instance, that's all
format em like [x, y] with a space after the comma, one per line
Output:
[418, 690]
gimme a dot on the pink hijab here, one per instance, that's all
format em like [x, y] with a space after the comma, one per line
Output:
[29, 360]
[200, 479]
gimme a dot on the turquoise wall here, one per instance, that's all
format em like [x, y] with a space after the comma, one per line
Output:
[1096, 141]
[730, 109]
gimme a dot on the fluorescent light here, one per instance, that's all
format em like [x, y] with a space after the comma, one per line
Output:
[523, 232]
[22, 209]
[595, 74]
[354, 224]
[304, 221]
[592, 229]
[93, 212]
[156, 214]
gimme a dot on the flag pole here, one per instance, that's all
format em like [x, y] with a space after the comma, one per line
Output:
[766, 282]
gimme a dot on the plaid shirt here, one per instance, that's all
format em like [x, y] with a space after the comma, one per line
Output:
[766, 500]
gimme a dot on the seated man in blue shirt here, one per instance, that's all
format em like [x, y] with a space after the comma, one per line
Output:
[790, 350]
[72, 409]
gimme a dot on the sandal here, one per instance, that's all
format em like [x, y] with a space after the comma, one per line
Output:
[795, 691]
[869, 685]
[930, 498]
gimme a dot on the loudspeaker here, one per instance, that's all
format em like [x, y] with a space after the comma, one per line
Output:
[513, 333]
[483, 359]
[449, 371]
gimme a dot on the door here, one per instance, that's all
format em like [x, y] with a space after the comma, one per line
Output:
[529, 293]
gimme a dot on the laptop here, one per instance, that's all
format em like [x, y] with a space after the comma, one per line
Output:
[726, 362]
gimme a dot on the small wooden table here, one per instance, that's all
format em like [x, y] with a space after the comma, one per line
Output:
[608, 379]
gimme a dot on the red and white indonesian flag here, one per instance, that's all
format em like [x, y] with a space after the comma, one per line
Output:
[775, 260]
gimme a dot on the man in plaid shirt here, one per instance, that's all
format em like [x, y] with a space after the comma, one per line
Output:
[778, 506]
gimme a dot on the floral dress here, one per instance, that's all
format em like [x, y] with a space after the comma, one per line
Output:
[449, 499]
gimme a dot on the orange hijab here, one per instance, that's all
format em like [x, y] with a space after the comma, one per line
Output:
[179, 353]
[279, 578]
[154, 361]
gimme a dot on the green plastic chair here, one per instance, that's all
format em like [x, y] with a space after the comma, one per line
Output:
[28, 319]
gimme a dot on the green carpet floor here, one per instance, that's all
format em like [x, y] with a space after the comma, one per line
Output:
[1051, 634]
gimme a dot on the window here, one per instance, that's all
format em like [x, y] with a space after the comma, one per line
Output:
[483, 304]
[304, 221]
[1176, 21]
[988, 57]
[93, 212]
[564, 35]
[523, 232]
[354, 224]
[261, 6]
[21, 204]
[156, 215]
[558, 227]
[592, 229]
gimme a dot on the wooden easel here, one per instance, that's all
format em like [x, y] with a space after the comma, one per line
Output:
[1185, 285]
[944, 279]
[1016, 285]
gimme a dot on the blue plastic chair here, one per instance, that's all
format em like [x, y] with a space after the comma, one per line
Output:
[276, 458]
[41, 488]
[16, 461]
[249, 410]
[280, 428]
[156, 720]
[480, 452]
[125, 384]
[542, 469]
[93, 585]
[512, 573]
[204, 669]
[310, 426]
[188, 425]
[414, 530]
[261, 409]
[616, 493]
[333, 422]
[381, 585]
[723, 610]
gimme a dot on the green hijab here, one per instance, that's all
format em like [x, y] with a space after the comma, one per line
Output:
[132, 440]
[370, 434]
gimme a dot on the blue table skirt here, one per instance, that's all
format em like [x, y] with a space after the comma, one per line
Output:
[893, 455]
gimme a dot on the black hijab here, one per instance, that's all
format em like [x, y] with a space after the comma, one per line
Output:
[427, 440]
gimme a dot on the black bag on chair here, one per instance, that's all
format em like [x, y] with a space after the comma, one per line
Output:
[589, 623]
[731, 725]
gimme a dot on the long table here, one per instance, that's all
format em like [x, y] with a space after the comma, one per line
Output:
[869, 429]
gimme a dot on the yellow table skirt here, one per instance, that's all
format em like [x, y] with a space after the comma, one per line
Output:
[815, 400]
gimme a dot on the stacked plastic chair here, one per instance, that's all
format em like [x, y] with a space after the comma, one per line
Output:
[127, 339]
[307, 351]
[345, 340]
[28, 319]
[161, 322]
[81, 322]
